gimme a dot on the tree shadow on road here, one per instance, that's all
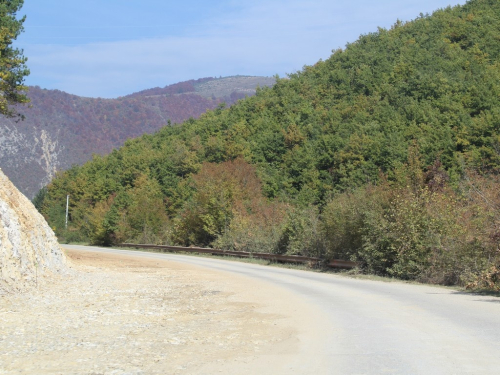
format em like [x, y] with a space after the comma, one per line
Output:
[481, 293]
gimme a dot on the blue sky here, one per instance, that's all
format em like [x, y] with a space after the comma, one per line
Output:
[110, 48]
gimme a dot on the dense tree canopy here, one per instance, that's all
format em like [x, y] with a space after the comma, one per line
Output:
[352, 123]
[12, 62]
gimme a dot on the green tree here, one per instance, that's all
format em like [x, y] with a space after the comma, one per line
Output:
[145, 219]
[12, 62]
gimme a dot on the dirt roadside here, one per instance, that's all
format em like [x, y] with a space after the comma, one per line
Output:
[117, 314]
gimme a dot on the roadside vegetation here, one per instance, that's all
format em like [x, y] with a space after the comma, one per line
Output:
[387, 153]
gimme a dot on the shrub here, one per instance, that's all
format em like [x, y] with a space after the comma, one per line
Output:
[428, 231]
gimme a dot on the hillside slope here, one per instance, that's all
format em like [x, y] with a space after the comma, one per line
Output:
[62, 129]
[387, 130]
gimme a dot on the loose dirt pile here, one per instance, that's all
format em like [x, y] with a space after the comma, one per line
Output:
[28, 246]
[125, 315]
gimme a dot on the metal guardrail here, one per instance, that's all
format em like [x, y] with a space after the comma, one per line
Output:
[336, 263]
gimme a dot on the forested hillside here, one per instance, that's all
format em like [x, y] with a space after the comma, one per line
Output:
[387, 153]
[62, 129]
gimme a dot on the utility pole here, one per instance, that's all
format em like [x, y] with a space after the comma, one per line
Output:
[67, 206]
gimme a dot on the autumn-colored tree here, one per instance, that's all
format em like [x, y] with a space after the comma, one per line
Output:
[221, 190]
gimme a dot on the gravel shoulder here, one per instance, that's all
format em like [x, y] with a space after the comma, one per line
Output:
[121, 314]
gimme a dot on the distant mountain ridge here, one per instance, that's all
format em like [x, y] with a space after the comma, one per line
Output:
[225, 88]
[61, 129]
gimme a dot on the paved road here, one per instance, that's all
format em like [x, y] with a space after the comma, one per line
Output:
[375, 327]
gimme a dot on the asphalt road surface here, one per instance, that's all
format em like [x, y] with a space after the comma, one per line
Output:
[373, 327]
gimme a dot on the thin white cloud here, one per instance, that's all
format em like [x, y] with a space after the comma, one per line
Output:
[258, 38]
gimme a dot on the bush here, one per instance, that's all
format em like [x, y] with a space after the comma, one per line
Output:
[424, 231]
[347, 222]
[258, 231]
[301, 234]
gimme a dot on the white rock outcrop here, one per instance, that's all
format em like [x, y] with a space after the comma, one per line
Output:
[28, 246]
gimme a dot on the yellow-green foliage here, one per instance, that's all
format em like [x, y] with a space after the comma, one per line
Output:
[144, 218]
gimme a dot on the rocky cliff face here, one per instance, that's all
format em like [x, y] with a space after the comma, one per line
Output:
[28, 247]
